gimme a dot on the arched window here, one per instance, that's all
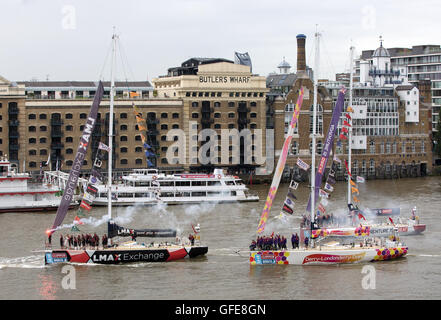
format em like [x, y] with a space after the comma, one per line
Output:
[32, 152]
[123, 115]
[164, 160]
[32, 164]
[231, 104]
[69, 116]
[217, 115]
[253, 115]
[69, 162]
[138, 149]
[123, 127]
[69, 139]
[194, 104]
[83, 115]
[175, 126]
[32, 140]
[164, 127]
[138, 161]
[69, 151]
[43, 116]
[42, 140]
[32, 116]
[164, 115]
[217, 104]
[175, 115]
[43, 152]
[43, 128]
[123, 138]
[253, 104]
[372, 167]
[231, 115]
[123, 150]
[123, 161]
[217, 126]
[69, 128]
[195, 115]
[32, 129]
[138, 138]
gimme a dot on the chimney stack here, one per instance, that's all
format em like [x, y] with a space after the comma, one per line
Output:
[301, 55]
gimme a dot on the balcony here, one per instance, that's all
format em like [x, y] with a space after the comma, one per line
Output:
[56, 133]
[243, 121]
[207, 109]
[14, 134]
[375, 72]
[57, 122]
[152, 121]
[14, 123]
[14, 146]
[243, 109]
[207, 121]
[57, 145]
[13, 111]
[153, 132]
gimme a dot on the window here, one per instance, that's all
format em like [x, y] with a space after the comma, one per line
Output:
[43, 140]
[32, 129]
[175, 115]
[217, 115]
[164, 127]
[138, 161]
[231, 115]
[253, 104]
[43, 152]
[69, 163]
[164, 115]
[194, 104]
[123, 138]
[231, 104]
[43, 128]
[123, 127]
[253, 115]
[83, 115]
[138, 138]
[69, 151]
[32, 164]
[69, 115]
[253, 126]
[43, 116]
[123, 161]
[32, 152]
[123, 150]
[32, 140]
[32, 116]
[231, 126]
[195, 115]
[217, 126]
[319, 120]
[175, 126]
[123, 115]
[217, 104]
[163, 138]
[164, 160]
[69, 128]
[138, 149]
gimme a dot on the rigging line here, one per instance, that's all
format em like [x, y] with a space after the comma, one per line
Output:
[105, 61]
[122, 66]
[124, 57]
[328, 56]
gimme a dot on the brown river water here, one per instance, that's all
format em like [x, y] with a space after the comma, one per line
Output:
[225, 273]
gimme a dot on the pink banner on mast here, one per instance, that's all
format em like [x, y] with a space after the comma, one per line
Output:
[280, 164]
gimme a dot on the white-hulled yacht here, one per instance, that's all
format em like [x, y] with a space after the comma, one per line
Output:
[148, 186]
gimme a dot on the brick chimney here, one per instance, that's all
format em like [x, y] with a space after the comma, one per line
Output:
[301, 55]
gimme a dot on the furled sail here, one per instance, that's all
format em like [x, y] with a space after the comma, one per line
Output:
[115, 230]
[280, 164]
[329, 142]
[78, 162]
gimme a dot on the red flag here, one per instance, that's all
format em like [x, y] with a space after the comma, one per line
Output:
[347, 168]
[348, 116]
[77, 219]
[345, 130]
[345, 123]
[85, 205]
[343, 137]
[390, 219]
[194, 229]
[272, 234]
[360, 216]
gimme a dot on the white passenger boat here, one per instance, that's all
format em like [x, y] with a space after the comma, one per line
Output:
[148, 186]
[16, 195]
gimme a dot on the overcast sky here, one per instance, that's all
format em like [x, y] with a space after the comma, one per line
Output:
[69, 39]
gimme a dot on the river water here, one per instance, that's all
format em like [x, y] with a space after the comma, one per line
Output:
[225, 273]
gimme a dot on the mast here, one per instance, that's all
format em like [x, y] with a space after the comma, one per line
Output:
[112, 89]
[350, 128]
[314, 125]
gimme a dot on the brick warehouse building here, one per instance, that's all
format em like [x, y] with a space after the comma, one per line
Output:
[47, 117]
[392, 125]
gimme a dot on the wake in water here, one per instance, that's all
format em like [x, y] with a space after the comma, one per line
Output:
[34, 261]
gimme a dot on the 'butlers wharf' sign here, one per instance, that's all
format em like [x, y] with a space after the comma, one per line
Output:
[224, 79]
